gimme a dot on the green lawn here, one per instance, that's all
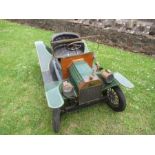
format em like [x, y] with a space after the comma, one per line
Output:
[23, 107]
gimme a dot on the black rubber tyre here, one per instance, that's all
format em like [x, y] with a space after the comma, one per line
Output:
[56, 119]
[116, 99]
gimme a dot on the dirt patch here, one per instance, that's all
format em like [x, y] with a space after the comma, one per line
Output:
[132, 42]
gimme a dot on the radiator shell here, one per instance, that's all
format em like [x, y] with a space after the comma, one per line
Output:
[87, 85]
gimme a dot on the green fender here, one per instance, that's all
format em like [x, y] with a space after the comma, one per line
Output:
[53, 95]
[52, 88]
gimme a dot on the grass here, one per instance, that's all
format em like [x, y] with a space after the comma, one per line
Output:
[23, 107]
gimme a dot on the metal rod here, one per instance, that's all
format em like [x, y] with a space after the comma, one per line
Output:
[74, 39]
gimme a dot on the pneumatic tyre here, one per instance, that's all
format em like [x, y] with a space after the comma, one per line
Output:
[116, 99]
[56, 119]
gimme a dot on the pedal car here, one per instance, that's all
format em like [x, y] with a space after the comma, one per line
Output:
[73, 79]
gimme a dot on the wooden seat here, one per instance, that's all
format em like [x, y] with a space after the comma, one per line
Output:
[66, 62]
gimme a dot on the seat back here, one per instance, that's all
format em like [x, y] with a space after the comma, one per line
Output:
[66, 62]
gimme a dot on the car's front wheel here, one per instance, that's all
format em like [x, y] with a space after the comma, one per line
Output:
[56, 119]
[116, 99]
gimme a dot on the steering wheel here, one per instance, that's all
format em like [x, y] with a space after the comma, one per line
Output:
[74, 46]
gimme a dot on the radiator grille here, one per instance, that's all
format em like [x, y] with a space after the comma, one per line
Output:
[90, 94]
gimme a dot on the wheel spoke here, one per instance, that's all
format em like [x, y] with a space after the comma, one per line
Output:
[112, 96]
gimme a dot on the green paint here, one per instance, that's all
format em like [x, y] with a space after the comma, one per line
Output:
[54, 97]
[79, 71]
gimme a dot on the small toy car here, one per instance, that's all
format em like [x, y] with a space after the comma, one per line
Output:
[73, 79]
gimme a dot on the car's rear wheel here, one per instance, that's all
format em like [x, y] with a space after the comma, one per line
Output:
[56, 119]
[116, 99]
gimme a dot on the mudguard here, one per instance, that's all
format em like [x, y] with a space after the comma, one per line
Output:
[52, 88]
[53, 95]
[123, 80]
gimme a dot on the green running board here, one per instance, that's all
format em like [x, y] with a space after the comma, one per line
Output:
[52, 88]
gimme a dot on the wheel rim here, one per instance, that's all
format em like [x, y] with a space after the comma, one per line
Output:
[113, 97]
